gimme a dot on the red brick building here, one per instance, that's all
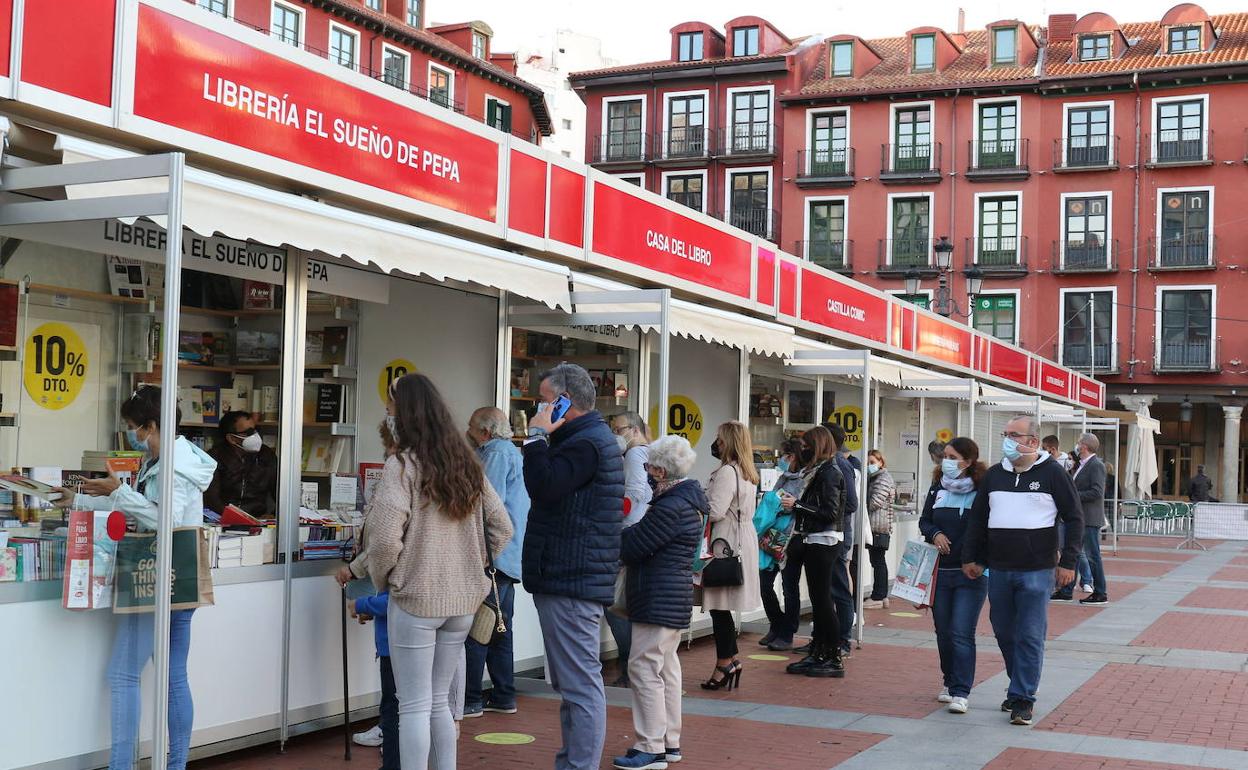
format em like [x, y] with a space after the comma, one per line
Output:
[452, 65]
[1091, 173]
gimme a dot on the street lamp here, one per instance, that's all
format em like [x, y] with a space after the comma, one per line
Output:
[944, 254]
[913, 280]
[974, 280]
[944, 303]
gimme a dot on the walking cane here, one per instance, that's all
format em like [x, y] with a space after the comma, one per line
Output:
[346, 693]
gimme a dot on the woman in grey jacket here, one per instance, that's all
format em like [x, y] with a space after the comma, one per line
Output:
[881, 491]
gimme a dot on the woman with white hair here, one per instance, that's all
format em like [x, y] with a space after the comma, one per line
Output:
[658, 555]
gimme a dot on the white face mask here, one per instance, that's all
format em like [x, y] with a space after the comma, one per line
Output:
[393, 425]
[252, 443]
[623, 442]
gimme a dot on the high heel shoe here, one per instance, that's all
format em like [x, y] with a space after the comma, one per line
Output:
[731, 677]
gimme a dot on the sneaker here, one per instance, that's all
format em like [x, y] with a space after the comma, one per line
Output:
[672, 755]
[1086, 588]
[370, 737]
[873, 604]
[640, 760]
[958, 706]
[847, 650]
[780, 645]
[767, 639]
[472, 712]
[1058, 596]
[1021, 713]
[944, 696]
[799, 667]
[494, 708]
[1007, 705]
[1095, 599]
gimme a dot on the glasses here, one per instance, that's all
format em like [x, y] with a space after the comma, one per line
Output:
[245, 433]
[1017, 436]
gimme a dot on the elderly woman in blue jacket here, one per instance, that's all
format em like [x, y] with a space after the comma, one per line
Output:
[658, 555]
[958, 599]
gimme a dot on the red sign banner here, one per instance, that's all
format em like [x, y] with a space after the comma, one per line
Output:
[210, 84]
[1008, 363]
[1054, 380]
[644, 233]
[844, 308]
[766, 292]
[1089, 392]
[943, 341]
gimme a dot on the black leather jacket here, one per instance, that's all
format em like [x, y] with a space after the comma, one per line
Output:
[822, 505]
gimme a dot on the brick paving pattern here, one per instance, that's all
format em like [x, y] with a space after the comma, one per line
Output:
[1132, 568]
[1233, 574]
[1192, 631]
[1217, 598]
[1034, 759]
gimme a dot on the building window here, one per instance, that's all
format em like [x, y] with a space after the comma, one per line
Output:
[745, 41]
[751, 121]
[1004, 46]
[1087, 327]
[373, 4]
[1087, 137]
[843, 59]
[440, 86]
[686, 126]
[924, 57]
[997, 315]
[913, 133]
[1185, 236]
[568, 154]
[1087, 231]
[623, 138]
[825, 235]
[911, 232]
[750, 202]
[1183, 39]
[567, 124]
[998, 135]
[690, 46]
[219, 7]
[922, 300]
[829, 144]
[286, 24]
[1094, 47]
[686, 190]
[478, 45]
[498, 115]
[1180, 131]
[413, 13]
[997, 242]
[394, 67]
[342, 45]
[635, 179]
[1186, 333]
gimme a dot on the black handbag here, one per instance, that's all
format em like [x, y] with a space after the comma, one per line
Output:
[725, 569]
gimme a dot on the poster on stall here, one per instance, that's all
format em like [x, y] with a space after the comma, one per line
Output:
[59, 389]
[849, 418]
[393, 370]
[684, 418]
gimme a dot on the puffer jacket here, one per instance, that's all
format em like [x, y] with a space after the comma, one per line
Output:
[881, 489]
[658, 551]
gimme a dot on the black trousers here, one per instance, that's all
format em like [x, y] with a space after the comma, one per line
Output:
[389, 717]
[842, 594]
[725, 633]
[822, 563]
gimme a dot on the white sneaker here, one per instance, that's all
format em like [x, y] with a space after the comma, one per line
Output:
[957, 706]
[1087, 589]
[873, 604]
[944, 696]
[370, 737]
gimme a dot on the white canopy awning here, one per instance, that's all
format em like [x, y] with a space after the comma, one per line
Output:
[215, 204]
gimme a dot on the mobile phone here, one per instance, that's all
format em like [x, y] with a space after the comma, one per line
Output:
[560, 407]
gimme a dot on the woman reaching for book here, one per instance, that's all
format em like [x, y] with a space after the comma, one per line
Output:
[135, 637]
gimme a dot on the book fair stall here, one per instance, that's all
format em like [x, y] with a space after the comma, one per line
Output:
[273, 283]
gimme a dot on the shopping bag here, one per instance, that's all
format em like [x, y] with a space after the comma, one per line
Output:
[135, 581]
[619, 607]
[916, 575]
[703, 555]
[90, 559]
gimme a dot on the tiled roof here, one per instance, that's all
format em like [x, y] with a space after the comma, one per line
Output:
[1147, 50]
[668, 64]
[893, 73]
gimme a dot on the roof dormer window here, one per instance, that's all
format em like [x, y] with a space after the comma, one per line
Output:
[745, 41]
[1094, 47]
[924, 54]
[1004, 46]
[843, 59]
[690, 46]
[478, 45]
[1183, 39]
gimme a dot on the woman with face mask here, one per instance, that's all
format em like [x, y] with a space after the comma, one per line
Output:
[771, 516]
[958, 599]
[633, 438]
[881, 491]
[246, 469]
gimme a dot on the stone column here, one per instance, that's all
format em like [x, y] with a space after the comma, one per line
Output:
[1212, 441]
[1137, 402]
[1230, 453]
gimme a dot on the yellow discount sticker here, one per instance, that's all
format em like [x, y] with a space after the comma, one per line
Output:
[849, 418]
[55, 365]
[684, 418]
[391, 372]
[944, 435]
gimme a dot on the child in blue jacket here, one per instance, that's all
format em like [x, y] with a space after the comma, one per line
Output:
[374, 608]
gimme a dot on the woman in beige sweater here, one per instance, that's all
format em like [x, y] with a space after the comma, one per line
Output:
[426, 546]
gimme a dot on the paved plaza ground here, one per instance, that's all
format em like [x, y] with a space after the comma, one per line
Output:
[1157, 679]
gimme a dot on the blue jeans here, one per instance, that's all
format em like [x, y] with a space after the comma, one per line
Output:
[132, 649]
[955, 611]
[1092, 555]
[1020, 619]
[570, 634]
[497, 657]
[791, 586]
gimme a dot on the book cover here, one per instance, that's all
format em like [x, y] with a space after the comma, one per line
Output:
[191, 349]
[228, 401]
[309, 495]
[9, 301]
[335, 344]
[257, 295]
[124, 469]
[222, 350]
[318, 455]
[314, 347]
[127, 277]
[25, 485]
[192, 406]
[233, 516]
[268, 403]
[337, 450]
[328, 407]
[916, 574]
[370, 477]
[8, 565]
[342, 491]
[256, 347]
[211, 404]
[244, 384]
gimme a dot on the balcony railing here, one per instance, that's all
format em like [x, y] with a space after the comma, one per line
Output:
[834, 255]
[1084, 256]
[898, 254]
[998, 158]
[1180, 147]
[1192, 250]
[1085, 153]
[623, 147]
[683, 144]
[760, 222]
[1079, 357]
[910, 162]
[998, 255]
[1189, 356]
[746, 140]
[830, 167]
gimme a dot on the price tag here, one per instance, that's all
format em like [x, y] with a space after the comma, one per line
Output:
[391, 372]
[849, 418]
[684, 418]
[55, 365]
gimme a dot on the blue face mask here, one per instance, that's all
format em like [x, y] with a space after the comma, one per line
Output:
[872, 469]
[949, 467]
[783, 465]
[1009, 448]
[132, 436]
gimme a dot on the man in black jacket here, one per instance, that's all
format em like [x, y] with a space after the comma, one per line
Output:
[1012, 529]
[246, 474]
[1089, 479]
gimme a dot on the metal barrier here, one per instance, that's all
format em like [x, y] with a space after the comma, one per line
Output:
[1218, 521]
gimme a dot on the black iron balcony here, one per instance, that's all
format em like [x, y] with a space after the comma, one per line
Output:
[910, 163]
[760, 222]
[1191, 251]
[834, 255]
[825, 168]
[897, 255]
[1085, 153]
[746, 141]
[1186, 356]
[998, 256]
[622, 148]
[682, 144]
[1079, 357]
[396, 79]
[993, 160]
[1088, 256]
[1180, 147]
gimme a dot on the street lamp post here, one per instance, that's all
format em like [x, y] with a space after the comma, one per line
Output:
[944, 303]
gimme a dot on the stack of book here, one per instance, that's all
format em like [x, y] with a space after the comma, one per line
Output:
[29, 559]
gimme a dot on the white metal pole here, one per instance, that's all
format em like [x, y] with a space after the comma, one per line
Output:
[921, 452]
[860, 547]
[1117, 470]
[970, 409]
[665, 350]
[502, 378]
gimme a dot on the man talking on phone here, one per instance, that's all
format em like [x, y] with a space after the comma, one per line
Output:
[574, 473]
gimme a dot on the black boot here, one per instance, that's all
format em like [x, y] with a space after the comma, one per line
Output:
[803, 665]
[827, 664]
